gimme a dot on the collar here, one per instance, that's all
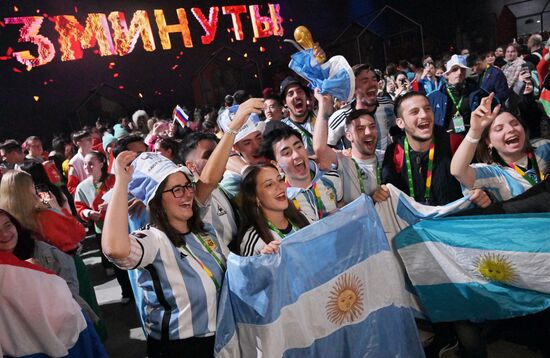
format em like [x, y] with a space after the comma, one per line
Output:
[292, 191]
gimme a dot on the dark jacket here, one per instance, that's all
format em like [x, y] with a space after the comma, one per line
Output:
[444, 108]
[494, 80]
[444, 189]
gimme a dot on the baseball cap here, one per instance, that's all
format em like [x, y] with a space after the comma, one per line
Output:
[287, 82]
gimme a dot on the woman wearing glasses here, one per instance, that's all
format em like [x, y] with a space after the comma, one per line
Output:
[269, 215]
[179, 259]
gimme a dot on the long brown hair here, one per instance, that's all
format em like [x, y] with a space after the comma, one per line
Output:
[16, 199]
[487, 155]
[159, 219]
[253, 216]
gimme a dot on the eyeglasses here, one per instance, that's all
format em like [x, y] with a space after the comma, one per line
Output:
[179, 190]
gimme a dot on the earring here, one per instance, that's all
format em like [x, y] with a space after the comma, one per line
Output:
[490, 151]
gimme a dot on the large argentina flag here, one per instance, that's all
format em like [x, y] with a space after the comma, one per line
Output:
[479, 267]
[333, 290]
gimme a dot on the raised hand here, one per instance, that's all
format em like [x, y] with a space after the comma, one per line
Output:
[483, 116]
[252, 105]
[123, 168]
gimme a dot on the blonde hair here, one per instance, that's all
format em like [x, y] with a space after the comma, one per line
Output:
[16, 198]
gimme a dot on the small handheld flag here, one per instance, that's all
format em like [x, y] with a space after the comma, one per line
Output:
[180, 116]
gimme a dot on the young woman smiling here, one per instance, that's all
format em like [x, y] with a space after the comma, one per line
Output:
[510, 164]
[269, 215]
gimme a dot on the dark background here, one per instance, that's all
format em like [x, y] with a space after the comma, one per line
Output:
[74, 93]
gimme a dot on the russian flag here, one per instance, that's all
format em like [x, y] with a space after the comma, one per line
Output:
[180, 116]
[39, 317]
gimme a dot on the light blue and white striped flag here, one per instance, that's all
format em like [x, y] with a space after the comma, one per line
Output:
[335, 289]
[479, 267]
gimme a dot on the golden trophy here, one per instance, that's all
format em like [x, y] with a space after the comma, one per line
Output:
[302, 35]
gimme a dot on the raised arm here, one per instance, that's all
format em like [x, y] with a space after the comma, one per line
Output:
[326, 156]
[480, 119]
[115, 241]
[215, 166]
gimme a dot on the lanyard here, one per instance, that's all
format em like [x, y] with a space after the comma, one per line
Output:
[360, 176]
[276, 229]
[202, 265]
[303, 131]
[321, 210]
[428, 174]
[457, 106]
[535, 166]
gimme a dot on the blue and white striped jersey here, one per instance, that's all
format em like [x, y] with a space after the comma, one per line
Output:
[179, 296]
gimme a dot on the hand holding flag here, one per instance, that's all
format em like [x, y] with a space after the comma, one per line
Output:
[180, 116]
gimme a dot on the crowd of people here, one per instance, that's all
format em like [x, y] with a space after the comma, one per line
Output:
[168, 202]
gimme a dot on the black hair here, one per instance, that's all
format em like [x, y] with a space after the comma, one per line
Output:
[105, 169]
[274, 98]
[78, 135]
[10, 145]
[356, 113]
[59, 143]
[123, 143]
[168, 143]
[275, 136]
[357, 69]
[192, 142]
[399, 102]
[24, 249]
[253, 217]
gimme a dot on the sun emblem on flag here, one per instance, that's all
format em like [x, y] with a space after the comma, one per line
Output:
[345, 302]
[495, 267]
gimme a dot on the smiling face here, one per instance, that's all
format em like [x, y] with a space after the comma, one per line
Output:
[271, 190]
[499, 52]
[291, 155]
[366, 83]
[177, 209]
[8, 234]
[416, 118]
[273, 110]
[362, 134]
[249, 148]
[507, 136]
[92, 166]
[511, 53]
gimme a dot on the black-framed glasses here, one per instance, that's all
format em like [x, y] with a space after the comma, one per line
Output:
[179, 190]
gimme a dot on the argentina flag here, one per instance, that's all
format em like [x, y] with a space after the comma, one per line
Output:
[334, 76]
[335, 289]
[479, 267]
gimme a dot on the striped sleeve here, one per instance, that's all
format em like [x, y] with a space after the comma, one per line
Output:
[336, 181]
[251, 243]
[337, 125]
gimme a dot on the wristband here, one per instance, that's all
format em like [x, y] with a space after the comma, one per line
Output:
[471, 140]
[232, 131]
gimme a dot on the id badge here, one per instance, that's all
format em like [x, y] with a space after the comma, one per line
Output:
[458, 123]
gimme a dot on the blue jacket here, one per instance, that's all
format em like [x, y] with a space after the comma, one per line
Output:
[494, 80]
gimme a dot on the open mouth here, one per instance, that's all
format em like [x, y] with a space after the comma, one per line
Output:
[300, 165]
[187, 205]
[512, 140]
[281, 196]
[424, 125]
[299, 105]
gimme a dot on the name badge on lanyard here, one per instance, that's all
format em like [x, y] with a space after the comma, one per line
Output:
[458, 123]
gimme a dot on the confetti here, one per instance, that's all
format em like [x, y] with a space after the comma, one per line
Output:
[269, 63]
[245, 55]
[38, 11]
[174, 67]
[229, 59]
[2, 24]
[111, 65]
[15, 69]
[36, 98]
[262, 49]
[76, 9]
[254, 40]
[121, 87]
[115, 75]
[231, 39]
[140, 95]
[181, 53]
[15, 8]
